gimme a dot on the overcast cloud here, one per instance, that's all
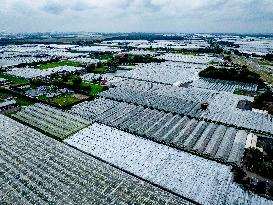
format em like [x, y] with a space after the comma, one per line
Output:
[137, 15]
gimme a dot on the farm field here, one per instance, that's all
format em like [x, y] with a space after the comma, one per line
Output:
[58, 64]
[14, 79]
[209, 183]
[50, 120]
[222, 107]
[94, 88]
[64, 100]
[197, 59]
[166, 73]
[135, 118]
[30, 73]
[219, 142]
[36, 169]
[223, 85]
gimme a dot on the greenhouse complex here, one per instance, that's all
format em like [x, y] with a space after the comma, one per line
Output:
[132, 119]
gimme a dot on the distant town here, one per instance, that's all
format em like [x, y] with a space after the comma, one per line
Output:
[136, 118]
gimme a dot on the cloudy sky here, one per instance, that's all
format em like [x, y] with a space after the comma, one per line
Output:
[137, 15]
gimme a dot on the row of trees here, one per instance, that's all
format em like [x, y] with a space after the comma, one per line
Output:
[264, 101]
[239, 75]
[261, 164]
[269, 57]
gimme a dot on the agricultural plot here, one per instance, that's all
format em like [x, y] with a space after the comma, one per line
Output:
[223, 109]
[166, 73]
[58, 64]
[142, 52]
[150, 99]
[90, 109]
[30, 73]
[223, 85]
[50, 120]
[189, 94]
[13, 79]
[14, 61]
[85, 60]
[36, 169]
[185, 101]
[48, 91]
[222, 106]
[198, 179]
[197, 59]
[89, 77]
[210, 140]
[255, 122]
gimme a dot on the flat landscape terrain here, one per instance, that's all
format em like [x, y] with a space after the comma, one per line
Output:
[136, 119]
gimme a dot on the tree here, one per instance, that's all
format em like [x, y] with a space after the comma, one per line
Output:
[261, 187]
[90, 68]
[239, 175]
[36, 82]
[269, 57]
[99, 65]
[77, 81]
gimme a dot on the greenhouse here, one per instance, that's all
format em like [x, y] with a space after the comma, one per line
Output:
[218, 142]
[223, 85]
[203, 181]
[36, 169]
[166, 73]
[50, 120]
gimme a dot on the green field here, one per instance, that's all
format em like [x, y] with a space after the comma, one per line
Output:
[99, 70]
[64, 100]
[3, 94]
[23, 102]
[16, 80]
[59, 63]
[264, 62]
[94, 88]
[60, 101]
[239, 92]
[19, 101]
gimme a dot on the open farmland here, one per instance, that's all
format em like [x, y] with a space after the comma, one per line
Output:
[132, 119]
[89, 110]
[85, 60]
[225, 111]
[36, 169]
[159, 97]
[222, 106]
[29, 73]
[197, 59]
[203, 181]
[134, 90]
[151, 89]
[167, 72]
[59, 64]
[223, 85]
[14, 79]
[225, 144]
[50, 120]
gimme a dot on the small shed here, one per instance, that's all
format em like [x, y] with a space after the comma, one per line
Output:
[251, 141]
